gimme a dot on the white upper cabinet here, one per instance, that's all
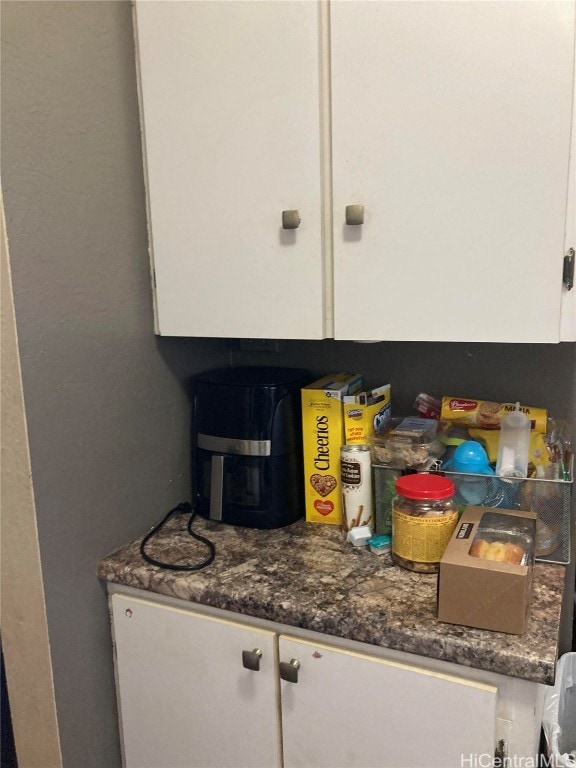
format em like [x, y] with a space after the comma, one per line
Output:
[231, 119]
[444, 127]
[451, 125]
[568, 328]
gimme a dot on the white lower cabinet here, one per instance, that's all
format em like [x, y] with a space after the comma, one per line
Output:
[185, 698]
[188, 697]
[351, 709]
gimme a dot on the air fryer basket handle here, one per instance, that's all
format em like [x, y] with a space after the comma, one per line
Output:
[216, 487]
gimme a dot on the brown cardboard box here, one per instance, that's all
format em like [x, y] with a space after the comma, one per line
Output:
[482, 593]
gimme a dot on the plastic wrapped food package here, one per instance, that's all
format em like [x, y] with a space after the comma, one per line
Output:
[410, 443]
[503, 538]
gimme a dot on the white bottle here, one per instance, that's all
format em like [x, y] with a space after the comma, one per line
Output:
[514, 445]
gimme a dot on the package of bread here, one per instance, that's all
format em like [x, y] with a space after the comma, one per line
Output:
[485, 414]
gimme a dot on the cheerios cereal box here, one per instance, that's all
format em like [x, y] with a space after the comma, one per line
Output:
[323, 436]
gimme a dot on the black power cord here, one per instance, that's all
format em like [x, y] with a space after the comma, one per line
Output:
[183, 508]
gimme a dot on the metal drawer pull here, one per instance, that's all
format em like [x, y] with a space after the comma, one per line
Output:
[289, 670]
[251, 659]
[354, 215]
[290, 219]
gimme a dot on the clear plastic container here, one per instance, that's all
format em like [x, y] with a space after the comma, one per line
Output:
[505, 538]
[410, 443]
[424, 517]
[514, 445]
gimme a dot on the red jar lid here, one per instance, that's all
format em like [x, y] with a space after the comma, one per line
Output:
[425, 486]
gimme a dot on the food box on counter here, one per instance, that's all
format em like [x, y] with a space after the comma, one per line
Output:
[323, 436]
[485, 578]
[366, 413]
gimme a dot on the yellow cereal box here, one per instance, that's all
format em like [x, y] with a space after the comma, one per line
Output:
[366, 413]
[323, 436]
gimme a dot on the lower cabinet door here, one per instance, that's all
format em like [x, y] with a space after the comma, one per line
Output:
[353, 711]
[185, 698]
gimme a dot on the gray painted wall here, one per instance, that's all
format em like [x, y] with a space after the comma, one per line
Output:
[542, 375]
[106, 401]
[107, 409]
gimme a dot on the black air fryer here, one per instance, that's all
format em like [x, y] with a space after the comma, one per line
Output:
[247, 436]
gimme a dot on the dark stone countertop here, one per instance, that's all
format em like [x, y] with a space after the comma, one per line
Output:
[307, 576]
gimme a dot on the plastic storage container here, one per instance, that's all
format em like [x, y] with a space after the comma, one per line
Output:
[410, 443]
[424, 516]
[559, 718]
[504, 538]
[514, 444]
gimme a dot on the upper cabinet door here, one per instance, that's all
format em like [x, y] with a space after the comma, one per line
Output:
[451, 126]
[231, 118]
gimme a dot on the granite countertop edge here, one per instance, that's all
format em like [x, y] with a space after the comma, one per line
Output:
[307, 576]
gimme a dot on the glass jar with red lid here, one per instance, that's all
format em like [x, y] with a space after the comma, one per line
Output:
[424, 516]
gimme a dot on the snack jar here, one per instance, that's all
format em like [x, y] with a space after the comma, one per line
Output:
[424, 516]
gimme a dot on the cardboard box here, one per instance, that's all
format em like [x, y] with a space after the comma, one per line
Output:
[366, 413]
[323, 436]
[486, 593]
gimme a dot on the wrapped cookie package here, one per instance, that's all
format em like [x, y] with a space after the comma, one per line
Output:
[485, 414]
[485, 578]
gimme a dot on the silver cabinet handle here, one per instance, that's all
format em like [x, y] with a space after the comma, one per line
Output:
[290, 219]
[289, 670]
[354, 215]
[251, 659]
